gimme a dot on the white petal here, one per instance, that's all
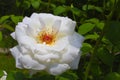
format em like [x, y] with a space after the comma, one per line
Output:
[56, 26]
[76, 40]
[58, 69]
[13, 35]
[48, 19]
[67, 26]
[34, 26]
[35, 16]
[20, 30]
[74, 64]
[59, 45]
[47, 57]
[29, 63]
[16, 54]
[21, 36]
[70, 54]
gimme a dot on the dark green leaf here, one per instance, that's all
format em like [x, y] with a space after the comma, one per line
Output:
[106, 57]
[85, 28]
[26, 4]
[113, 32]
[19, 76]
[95, 69]
[67, 76]
[112, 76]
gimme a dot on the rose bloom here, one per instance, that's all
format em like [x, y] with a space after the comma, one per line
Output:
[47, 42]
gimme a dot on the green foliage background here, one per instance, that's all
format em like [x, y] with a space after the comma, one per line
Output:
[97, 20]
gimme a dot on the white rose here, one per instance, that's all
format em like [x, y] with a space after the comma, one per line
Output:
[47, 42]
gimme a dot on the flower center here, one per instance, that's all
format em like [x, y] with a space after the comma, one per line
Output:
[46, 38]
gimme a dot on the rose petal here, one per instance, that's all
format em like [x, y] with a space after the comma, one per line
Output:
[70, 54]
[13, 35]
[16, 54]
[47, 57]
[34, 26]
[48, 19]
[67, 26]
[76, 40]
[58, 69]
[56, 26]
[74, 64]
[29, 63]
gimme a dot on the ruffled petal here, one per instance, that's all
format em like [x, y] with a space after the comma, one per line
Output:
[56, 26]
[13, 35]
[74, 64]
[34, 26]
[57, 69]
[16, 54]
[48, 19]
[70, 54]
[47, 57]
[59, 45]
[67, 26]
[76, 40]
[29, 63]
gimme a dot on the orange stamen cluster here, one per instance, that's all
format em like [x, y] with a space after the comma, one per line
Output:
[46, 38]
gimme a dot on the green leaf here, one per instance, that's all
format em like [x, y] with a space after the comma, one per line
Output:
[93, 20]
[1, 73]
[35, 3]
[106, 57]
[3, 18]
[61, 78]
[95, 69]
[69, 75]
[19, 76]
[85, 28]
[86, 48]
[6, 26]
[26, 4]
[16, 19]
[59, 10]
[100, 25]
[92, 7]
[112, 76]
[0, 36]
[10, 76]
[94, 36]
[76, 11]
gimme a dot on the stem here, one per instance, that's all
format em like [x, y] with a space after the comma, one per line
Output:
[92, 55]
[98, 42]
